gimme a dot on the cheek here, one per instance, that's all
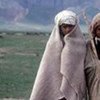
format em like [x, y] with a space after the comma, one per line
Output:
[69, 29]
[65, 31]
[98, 33]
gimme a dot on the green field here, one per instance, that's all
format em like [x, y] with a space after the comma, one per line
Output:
[19, 60]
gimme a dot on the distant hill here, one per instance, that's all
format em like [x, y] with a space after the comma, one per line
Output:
[42, 12]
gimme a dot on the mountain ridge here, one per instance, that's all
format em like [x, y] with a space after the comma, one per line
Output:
[43, 11]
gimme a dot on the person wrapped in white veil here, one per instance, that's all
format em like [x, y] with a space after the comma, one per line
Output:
[61, 72]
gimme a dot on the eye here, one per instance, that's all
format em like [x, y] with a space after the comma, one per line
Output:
[98, 28]
[64, 26]
[67, 25]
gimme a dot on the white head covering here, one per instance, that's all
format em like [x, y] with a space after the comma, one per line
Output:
[67, 17]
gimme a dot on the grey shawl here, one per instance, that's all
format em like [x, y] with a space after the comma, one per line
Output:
[92, 72]
[92, 64]
[61, 71]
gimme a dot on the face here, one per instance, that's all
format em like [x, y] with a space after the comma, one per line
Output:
[98, 32]
[66, 28]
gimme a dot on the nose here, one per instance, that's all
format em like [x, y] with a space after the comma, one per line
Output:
[67, 29]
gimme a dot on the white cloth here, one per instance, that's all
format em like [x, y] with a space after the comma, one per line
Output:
[67, 17]
[61, 71]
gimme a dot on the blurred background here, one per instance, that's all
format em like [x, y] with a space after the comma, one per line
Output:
[38, 15]
[25, 26]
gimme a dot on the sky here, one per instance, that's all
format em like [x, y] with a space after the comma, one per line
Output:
[36, 11]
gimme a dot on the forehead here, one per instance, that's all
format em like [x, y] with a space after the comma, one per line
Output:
[67, 25]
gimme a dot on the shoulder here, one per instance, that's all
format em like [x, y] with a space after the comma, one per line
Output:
[90, 48]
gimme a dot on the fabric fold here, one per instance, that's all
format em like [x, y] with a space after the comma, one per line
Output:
[72, 67]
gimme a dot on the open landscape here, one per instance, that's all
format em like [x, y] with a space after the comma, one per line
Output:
[20, 56]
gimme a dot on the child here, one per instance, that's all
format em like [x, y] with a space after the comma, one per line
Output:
[61, 73]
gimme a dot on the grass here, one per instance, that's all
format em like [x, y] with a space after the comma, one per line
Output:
[19, 60]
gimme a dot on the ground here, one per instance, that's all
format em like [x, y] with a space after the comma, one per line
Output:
[19, 60]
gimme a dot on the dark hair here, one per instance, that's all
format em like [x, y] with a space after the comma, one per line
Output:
[94, 30]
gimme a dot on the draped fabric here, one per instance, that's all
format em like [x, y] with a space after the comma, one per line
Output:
[92, 62]
[61, 71]
[92, 72]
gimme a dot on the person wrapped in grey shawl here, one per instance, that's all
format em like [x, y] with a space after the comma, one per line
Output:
[61, 71]
[92, 62]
